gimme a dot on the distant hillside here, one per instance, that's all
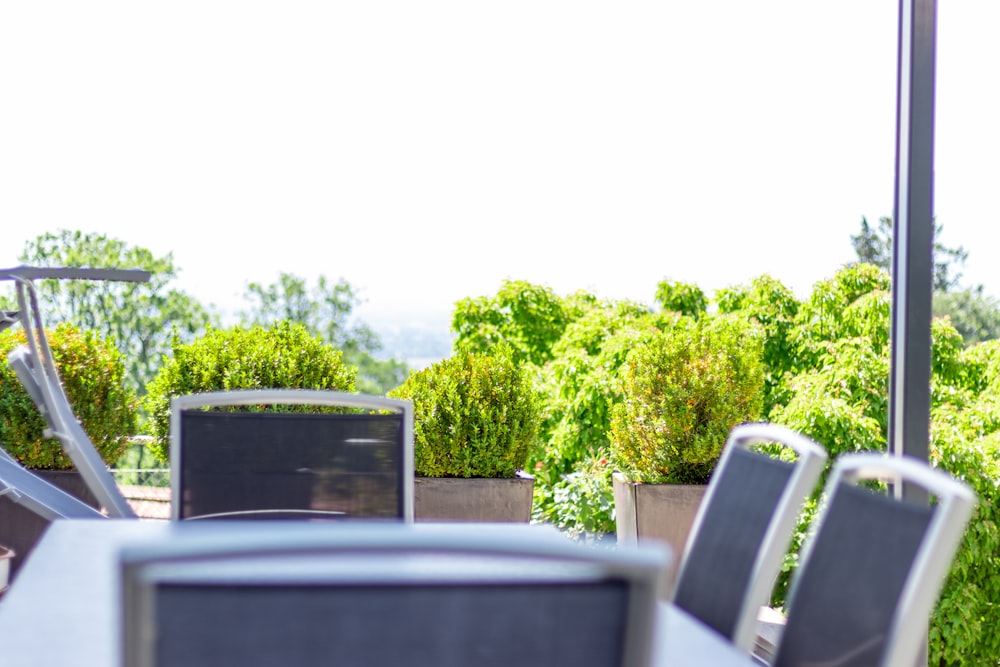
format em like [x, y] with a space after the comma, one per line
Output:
[418, 342]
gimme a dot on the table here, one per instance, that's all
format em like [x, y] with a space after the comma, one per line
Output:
[63, 607]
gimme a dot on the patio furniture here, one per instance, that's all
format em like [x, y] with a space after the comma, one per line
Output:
[73, 583]
[35, 369]
[8, 318]
[227, 462]
[873, 569]
[48, 501]
[389, 594]
[743, 529]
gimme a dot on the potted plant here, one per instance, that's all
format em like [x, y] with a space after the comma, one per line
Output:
[683, 389]
[476, 418]
[93, 375]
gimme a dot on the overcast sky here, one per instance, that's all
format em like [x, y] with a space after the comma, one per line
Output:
[427, 150]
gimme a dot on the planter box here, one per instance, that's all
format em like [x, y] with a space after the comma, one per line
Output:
[661, 512]
[474, 499]
[20, 528]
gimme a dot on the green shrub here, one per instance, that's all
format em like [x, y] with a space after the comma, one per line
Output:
[475, 415]
[580, 387]
[963, 625]
[684, 389]
[282, 356]
[581, 501]
[93, 376]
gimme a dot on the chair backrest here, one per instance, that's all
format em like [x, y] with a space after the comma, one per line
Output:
[227, 463]
[384, 595]
[33, 363]
[743, 529]
[874, 565]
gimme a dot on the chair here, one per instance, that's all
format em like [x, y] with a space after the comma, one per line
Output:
[743, 529]
[8, 318]
[381, 595]
[872, 571]
[21, 486]
[228, 463]
[36, 370]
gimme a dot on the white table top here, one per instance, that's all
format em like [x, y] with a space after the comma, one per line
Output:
[56, 615]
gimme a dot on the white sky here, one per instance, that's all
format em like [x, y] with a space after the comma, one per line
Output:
[426, 150]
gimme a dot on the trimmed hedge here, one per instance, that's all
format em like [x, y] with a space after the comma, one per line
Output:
[93, 376]
[475, 415]
[282, 356]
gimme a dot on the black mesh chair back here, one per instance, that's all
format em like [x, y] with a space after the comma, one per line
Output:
[873, 569]
[453, 596]
[291, 465]
[743, 529]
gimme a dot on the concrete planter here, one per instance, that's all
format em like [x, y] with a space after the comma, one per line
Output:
[473, 499]
[661, 512]
[20, 528]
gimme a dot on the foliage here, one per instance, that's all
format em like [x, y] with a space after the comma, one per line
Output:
[684, 390]
[93, 376]
[283, 355]
[838, 387]
[580, 385]
[325, 311]
[530, 318]
[582, 501]
[376, 376]
[139, 317]
[963, 626]
[980, 367]
[825, 373]
[975, 315]
[874, 246]
[581, 380]
[475, 415]
[829, 415]
[682, 298]
[854, 303]
[774, 308]
[842, 403]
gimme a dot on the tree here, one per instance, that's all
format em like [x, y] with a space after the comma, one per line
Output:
[774, 307]
[975, 315]
[874, 246]
[530, 318]
[681, 297]
[325, 311]
[140, 317]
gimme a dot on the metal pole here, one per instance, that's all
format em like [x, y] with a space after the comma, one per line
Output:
[913, 241]
[913, 234]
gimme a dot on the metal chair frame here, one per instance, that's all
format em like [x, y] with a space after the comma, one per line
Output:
[33, 363]
[769, 554]
[954, 504]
